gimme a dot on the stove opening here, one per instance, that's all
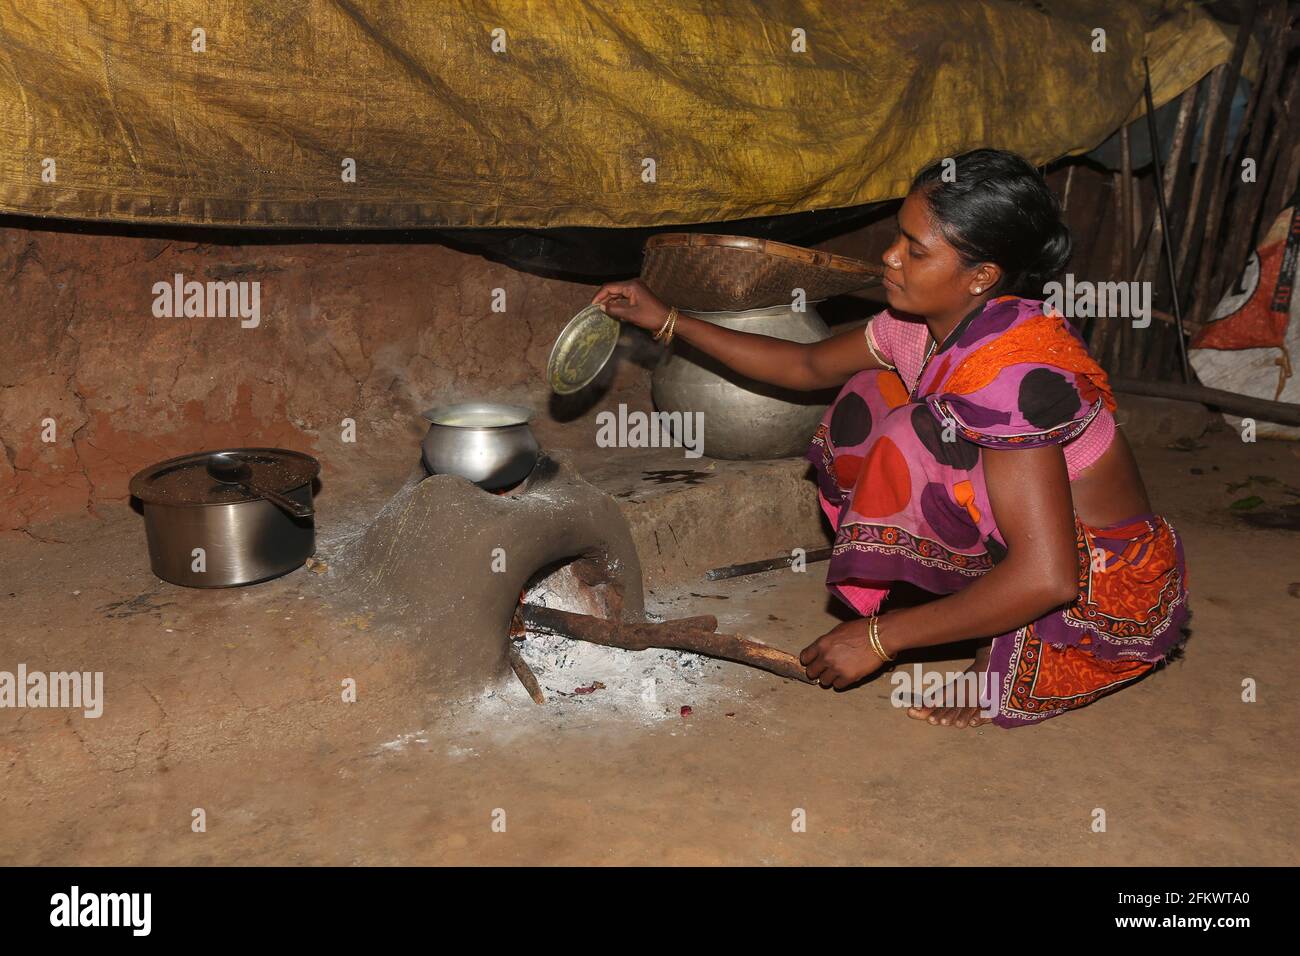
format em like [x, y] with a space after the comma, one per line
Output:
[581, 585]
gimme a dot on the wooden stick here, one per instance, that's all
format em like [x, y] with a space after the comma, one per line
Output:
[688, 634]
[1246, 406]
[1223, 265]
[1161, 216]
[1180, 214]
[1285, 172]
[1106, 343]
[1151, 254]
[757, 567]
[1129, 357]
[1126, 205]
[1217, 134]
[1192, 220]
[1285, 132]
[1069, 181]
[525, 675]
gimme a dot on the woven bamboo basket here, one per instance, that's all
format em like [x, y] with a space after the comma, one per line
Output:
[702, 272]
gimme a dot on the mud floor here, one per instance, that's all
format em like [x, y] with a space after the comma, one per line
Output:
[231, 703]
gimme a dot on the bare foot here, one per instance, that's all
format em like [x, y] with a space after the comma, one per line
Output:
[957, 716]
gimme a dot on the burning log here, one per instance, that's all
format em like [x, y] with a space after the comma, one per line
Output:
[695, 634]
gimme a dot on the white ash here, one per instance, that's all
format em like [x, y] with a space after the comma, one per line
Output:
[650, 685]
[562, 665]
[645, 686]
[641, 686]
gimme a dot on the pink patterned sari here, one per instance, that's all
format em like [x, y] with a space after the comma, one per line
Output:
[900, 478]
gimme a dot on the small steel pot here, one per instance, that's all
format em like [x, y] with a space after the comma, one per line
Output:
[243, 538]
[485, 442]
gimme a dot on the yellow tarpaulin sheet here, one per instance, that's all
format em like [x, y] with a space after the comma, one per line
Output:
[551, 113]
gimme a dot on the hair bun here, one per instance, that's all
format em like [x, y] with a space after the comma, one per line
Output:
[1055, 254]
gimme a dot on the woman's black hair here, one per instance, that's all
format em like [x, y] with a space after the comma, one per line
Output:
[998, 209]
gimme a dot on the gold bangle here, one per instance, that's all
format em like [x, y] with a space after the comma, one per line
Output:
[881, 644]
[672, 316]
[874, 634]
[672, 325]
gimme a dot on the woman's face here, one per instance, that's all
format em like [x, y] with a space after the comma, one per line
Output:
[924, 275]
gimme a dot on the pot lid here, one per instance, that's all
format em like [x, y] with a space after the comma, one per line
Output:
[186, 481]
[582, 350]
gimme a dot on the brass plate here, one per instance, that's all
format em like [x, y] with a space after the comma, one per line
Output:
[582, 350]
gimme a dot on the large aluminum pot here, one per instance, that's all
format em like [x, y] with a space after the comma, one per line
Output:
[485, 442]
[204, 533]
[743, 419]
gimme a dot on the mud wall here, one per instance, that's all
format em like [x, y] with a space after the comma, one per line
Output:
[370, 331]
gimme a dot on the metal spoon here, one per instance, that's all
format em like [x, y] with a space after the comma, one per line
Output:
[231, 471]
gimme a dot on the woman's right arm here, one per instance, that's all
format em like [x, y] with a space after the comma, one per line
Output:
[795, 365]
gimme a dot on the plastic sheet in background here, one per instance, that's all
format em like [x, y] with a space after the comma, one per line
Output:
[1108, 153]
[108, 112]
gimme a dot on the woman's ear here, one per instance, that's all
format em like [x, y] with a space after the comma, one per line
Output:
[985, 277]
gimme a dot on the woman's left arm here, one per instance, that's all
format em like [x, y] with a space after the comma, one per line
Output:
[1029, 492]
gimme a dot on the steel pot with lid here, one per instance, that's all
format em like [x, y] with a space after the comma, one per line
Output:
[217, 519]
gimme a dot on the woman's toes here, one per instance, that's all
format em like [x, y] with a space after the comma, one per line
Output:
[939, 716]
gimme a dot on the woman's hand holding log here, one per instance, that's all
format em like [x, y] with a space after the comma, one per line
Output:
[842, 656]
